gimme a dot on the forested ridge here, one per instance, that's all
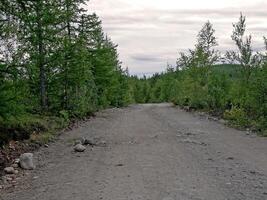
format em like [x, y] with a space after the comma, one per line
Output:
[57, 64]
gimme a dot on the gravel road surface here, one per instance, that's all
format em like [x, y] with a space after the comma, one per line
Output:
[149, 152]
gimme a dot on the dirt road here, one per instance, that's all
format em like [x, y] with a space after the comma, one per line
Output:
[153, 152]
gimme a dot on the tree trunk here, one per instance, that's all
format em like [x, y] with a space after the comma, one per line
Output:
[40, 57]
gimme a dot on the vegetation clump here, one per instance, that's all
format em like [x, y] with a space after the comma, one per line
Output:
[235, 90]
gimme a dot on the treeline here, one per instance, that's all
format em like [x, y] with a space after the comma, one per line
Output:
[236, 91]
[55, 60]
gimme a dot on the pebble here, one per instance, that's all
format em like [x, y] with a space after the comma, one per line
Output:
[1, 187]
[9, 170]
[46, 145]
[15, 165]
[79, 148]
[230, 158]
[85, 141]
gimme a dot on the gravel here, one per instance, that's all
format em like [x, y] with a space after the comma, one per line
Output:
[144, 159]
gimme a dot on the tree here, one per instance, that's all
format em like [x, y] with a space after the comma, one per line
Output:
[204, 54]
[245, 55]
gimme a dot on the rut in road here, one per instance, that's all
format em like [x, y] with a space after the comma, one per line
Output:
[153, 152]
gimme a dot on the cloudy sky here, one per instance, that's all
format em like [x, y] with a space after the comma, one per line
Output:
[150, 33]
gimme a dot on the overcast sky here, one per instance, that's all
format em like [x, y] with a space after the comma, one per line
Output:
[150, 33]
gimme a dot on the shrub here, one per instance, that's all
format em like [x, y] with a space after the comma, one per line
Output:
[237, 116]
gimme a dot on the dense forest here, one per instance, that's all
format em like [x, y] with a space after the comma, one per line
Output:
[232, 86]
[57, 64]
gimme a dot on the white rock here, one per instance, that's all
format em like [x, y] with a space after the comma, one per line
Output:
[79, 148]
[9, 170]
[26, 161]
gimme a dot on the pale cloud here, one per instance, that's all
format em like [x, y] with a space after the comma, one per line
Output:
[150, 33]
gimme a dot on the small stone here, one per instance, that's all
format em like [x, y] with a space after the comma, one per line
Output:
[9, 178]
[1, 187]
[15, 165]
[16, 171]
[46, 145]
[26, 161]
[9, 170]
[79, 148]
[16, 161]
[253, 172]
[230, 158]
[85, 141]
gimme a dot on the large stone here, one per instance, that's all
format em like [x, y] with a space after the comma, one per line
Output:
[79, 148]
[9, 170]
[26, 161]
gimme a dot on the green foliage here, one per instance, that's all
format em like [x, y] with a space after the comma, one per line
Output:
[237, 116]
[237, 92]
[55, 60]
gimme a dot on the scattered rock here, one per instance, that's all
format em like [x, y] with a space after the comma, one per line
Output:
[15, 165]
[85, 141]
[103, 143]
[119, 165]
[230, 158]
[187, 108]
[46, 145]
[189, 134]
[26, 161]
[79, 148]
[16, 161]
[16, 171]
[9, 179]
[194, 142]
[9, 170]
[1, 187]
[253, 172]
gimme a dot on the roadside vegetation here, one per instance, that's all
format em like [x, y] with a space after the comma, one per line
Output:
[57, 65]
[235, 90]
